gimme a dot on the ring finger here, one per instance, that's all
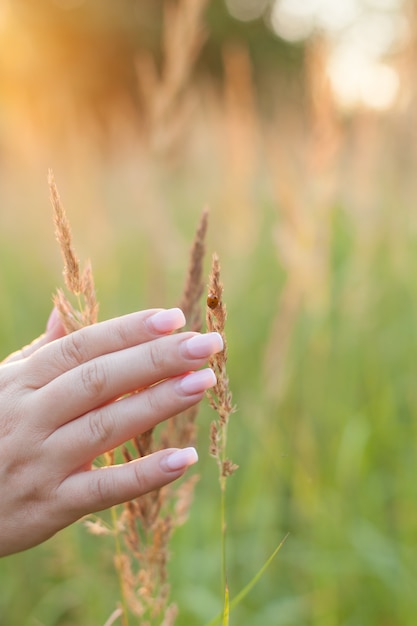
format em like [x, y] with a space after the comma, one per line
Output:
[80, 441]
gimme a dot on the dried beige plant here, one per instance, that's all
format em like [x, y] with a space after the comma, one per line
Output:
[180, 431]
[80, 284]
[194, 286]
[163, 92]
[304, 194]
[145, 524]
[220, 396]
[325, 136]
[240, 147]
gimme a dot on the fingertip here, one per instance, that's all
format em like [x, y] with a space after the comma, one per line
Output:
[52, 320]
[54, 326]
[180, 459]
[196, 382]
[167, 320]
[97, 489]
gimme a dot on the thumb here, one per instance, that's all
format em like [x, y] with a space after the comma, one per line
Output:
[54, 327]
[54, 330]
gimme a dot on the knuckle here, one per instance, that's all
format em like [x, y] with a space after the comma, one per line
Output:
[101, 488]
[121, 335]
[99, 427]
[93, 379]
[151, 401]
[141, 479]
[156, 356]
[72, 349]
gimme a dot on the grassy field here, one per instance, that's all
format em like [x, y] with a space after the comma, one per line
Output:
[317, 238]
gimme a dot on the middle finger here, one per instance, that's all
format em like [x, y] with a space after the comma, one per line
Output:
[110, 376]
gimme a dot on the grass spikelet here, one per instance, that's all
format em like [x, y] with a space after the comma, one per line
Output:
[80, 284]
[220, 398]
[64, 238]
[66, 312]
[90, 310]
[194, 285]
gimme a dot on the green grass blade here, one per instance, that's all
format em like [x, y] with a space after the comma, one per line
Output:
[244, 592]
[226, 609]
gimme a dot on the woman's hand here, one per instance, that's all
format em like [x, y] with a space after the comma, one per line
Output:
[64, 401]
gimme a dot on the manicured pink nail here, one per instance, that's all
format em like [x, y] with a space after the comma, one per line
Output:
[202, 346]
[166, 321]
[179, 459]
[197, 382]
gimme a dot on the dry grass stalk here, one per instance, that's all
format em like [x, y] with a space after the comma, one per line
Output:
[220, 396]
[64, 238]
[166, 107]
[147, 523]
[81, 284]
[240, 146]
[194, 286]
[180, 431]
[325, 128]
[302, 246]
[305, 195]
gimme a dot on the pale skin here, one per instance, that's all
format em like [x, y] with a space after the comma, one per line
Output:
[63, 402]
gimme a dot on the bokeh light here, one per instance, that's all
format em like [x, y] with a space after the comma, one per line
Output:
[360, 81]
[362, 35]
[246, 10]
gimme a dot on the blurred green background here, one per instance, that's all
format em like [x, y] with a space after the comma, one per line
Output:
[296, 123]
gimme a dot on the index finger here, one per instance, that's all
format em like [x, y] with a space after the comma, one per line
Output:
[102, 338]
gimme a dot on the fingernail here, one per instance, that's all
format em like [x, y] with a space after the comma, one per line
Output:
[179, 459]
[166, 321]
[197, 382]
[202, 346]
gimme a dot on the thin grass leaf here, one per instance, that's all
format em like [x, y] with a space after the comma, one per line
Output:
[244, 592]
[226, 608]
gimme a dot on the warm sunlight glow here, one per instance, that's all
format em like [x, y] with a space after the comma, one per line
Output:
[293, 20]
[360, 35]
[357, 80]
[69, 4]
